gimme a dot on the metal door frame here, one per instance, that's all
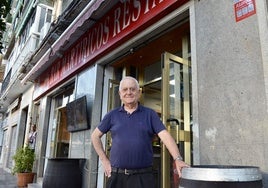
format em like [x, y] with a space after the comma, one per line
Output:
[184, 134]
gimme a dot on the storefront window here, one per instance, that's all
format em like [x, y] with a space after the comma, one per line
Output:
[60, 137]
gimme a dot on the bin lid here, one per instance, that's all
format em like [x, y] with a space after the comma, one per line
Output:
[222, 173]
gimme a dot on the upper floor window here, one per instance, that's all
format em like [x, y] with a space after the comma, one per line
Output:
[26, 30]
[41, 15]
[45, 16]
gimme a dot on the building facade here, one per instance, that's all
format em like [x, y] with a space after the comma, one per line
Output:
[202, 66]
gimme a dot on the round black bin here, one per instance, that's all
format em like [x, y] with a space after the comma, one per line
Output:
[64, 172]
[211, 176]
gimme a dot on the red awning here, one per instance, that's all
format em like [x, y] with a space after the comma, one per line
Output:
[90, 14]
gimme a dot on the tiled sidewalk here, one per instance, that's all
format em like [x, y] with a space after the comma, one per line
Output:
[7, 180]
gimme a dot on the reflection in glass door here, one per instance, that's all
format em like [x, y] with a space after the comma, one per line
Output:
[60, 136]
[63, 136]
[176, 113]
[151, 97]
[113, 102]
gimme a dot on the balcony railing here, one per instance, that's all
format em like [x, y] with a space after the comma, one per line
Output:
[28, 48]
[6, 82]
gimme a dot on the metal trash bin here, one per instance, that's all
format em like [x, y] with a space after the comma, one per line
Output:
[214, 176]
[64, 173]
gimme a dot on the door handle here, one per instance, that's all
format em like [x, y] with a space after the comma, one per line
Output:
[173, 120]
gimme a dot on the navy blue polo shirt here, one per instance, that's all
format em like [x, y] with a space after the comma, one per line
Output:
[131, 136]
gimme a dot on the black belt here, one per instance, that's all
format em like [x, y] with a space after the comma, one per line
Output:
[132, 171]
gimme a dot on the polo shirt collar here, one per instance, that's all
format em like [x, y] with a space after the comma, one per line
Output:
[121, 109]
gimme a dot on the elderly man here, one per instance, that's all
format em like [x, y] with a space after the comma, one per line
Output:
[132, 128]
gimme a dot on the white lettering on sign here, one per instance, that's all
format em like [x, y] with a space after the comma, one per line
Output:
[131, 12]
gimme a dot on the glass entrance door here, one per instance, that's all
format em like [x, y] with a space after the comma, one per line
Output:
[176, 112]
[166, 88]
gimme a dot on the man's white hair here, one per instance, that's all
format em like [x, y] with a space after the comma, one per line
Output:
[129, 78]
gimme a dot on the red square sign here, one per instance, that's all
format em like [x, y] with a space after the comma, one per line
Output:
[244, 9]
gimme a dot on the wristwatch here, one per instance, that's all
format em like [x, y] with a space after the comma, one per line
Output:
[178, 158]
